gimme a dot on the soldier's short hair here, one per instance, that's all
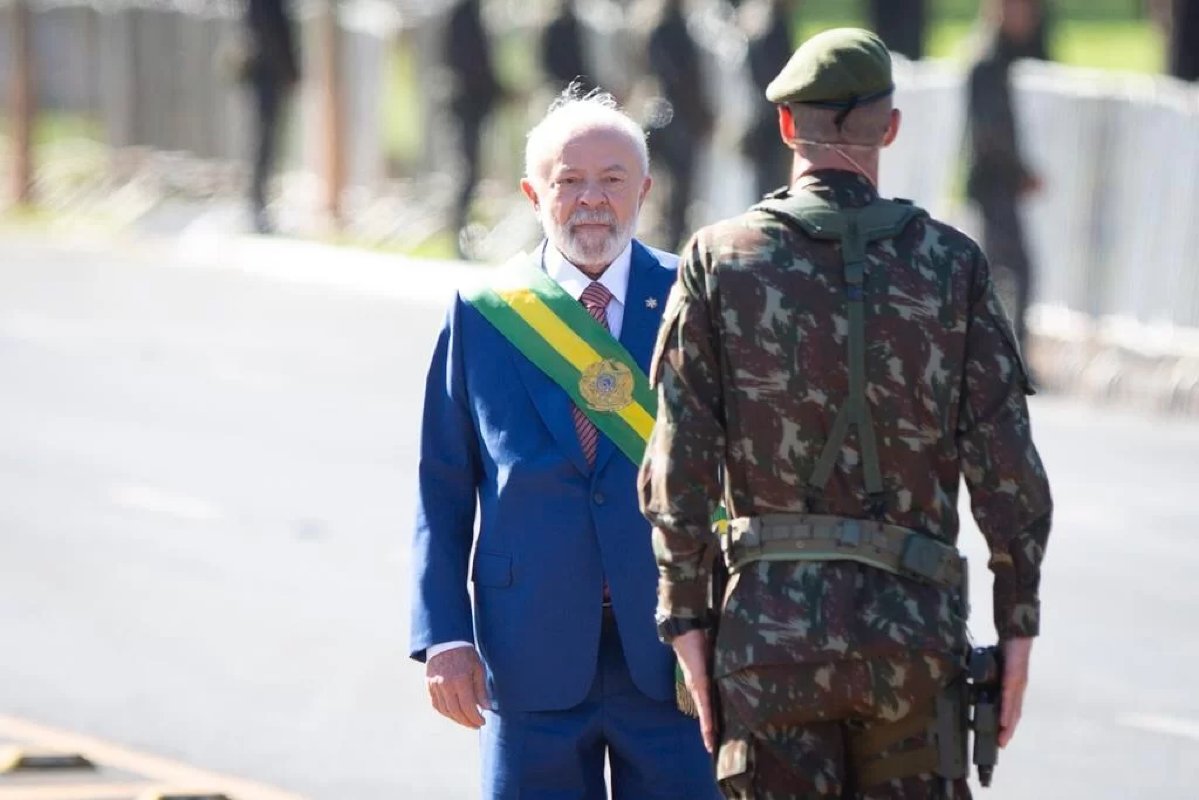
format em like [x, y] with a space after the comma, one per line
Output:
[576, 110]
[864, 126]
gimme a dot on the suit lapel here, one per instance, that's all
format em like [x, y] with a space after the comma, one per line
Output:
[644, 302]
[552, 403]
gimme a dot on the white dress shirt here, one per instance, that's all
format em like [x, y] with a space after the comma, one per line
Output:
[616, 280]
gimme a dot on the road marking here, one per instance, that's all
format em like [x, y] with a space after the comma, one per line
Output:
[147, 498]
[76, 791]
[1173, 726]
[107, 754]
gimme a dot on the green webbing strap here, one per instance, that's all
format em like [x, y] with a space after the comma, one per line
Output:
[855, 228]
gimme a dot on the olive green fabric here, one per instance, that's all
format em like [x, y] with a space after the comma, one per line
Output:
[839, 67]
[882, 219]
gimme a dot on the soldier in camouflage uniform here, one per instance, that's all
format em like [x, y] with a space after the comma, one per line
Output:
[830, 382]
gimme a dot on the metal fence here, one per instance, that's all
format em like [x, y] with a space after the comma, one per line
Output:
[1115, 233]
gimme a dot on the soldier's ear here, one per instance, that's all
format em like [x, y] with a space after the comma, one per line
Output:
[526, 186]
[892, 127]
[786, 124]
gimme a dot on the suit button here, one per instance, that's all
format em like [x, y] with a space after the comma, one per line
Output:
[598, 497]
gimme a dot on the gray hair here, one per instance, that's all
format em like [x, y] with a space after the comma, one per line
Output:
[574, 111]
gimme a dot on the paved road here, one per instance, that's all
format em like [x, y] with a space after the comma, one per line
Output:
[206, 483]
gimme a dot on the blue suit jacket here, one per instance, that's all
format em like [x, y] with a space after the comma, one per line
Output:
[498, 430]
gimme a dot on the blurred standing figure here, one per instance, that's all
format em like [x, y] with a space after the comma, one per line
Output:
[562, 54]
[767, 26]
[272, 70]
[900, 23]
[677, 138]
[1184, 40]
[474, 92]
[998, 176]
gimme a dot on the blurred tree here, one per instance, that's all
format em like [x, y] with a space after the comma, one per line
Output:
[332, 111]
[21, 104]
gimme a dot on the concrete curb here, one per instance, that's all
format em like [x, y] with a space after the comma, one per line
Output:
[1109, 361]
[296, 261]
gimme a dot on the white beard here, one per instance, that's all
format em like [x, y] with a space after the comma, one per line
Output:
[589, 249]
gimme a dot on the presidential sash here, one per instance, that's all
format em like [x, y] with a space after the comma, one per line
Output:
[556, 333]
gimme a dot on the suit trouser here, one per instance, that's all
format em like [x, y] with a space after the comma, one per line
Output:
[653, 750]
[790, 731]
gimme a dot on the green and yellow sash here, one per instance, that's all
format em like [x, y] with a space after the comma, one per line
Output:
[556, 333]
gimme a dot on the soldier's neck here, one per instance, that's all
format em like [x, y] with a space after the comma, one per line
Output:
[860, 160]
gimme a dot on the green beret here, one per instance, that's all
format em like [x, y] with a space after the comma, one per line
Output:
[839, 68]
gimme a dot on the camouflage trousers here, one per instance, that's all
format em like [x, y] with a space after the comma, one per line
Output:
[830, 731]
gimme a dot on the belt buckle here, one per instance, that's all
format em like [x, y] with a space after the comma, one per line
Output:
[850, 535]
[924, 557]
[752, 537]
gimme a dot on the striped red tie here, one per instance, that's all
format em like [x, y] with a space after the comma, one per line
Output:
[595, 299]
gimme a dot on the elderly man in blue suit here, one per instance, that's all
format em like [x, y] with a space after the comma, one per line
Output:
[532, 405]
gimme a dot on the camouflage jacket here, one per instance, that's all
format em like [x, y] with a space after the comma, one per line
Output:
[751, 371]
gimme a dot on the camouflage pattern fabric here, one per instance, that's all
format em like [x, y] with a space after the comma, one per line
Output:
[790, 730]
[751, 371]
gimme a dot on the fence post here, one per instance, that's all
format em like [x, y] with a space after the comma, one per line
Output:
[331, 111]
[21, 104]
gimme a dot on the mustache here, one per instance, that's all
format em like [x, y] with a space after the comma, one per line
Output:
[588, 217]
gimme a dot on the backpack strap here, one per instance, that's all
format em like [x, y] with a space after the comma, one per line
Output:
[854, 228]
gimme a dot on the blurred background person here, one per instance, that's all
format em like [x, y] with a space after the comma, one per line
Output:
[563, 55]
[1184, 40]
[677, 133]
[901, 25]
[272, 69]
[998, 174]
[474, 91]
[767, 26]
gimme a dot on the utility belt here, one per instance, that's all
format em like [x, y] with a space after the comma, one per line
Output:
[815, 537]
[967, 704]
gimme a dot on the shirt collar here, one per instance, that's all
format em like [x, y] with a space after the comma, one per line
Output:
[615, 278]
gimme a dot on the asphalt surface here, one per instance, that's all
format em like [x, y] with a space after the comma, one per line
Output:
[206, 490]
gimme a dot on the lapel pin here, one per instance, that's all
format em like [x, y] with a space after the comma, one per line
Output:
[651, 302]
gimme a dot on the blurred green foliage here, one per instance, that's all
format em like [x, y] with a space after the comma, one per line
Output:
[1103, 34]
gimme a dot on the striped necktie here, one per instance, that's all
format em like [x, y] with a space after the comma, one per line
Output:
[595, 299]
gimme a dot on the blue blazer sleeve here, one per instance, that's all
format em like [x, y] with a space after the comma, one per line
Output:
[445, 515]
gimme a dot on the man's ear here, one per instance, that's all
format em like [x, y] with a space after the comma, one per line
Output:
[526, 186]
[892, 127]
[786, 124]
[645, 187]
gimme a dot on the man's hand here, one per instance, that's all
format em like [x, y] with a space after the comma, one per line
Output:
[1016, 655]
[691, 648]
[457, 686]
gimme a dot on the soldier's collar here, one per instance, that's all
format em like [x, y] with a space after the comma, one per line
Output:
[842, 187]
